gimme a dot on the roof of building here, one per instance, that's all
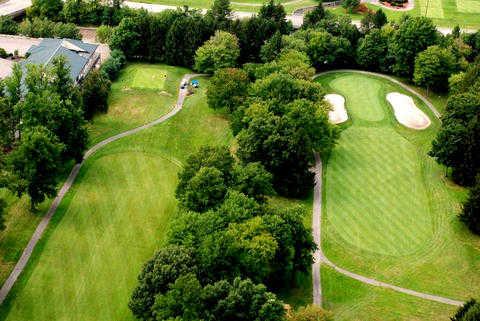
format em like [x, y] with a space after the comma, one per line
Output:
[76, 52]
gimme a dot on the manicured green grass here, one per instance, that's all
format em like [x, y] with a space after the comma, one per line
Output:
[112, 221]
[389, 213]
[351, 300]
[141, 94]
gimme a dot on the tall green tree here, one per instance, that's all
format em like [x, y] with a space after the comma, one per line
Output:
[158, 274]
[433, 67]
[36, 163]
[220, 51]
[471, 209]
[470, 311]
[372, 51]
[94, 90]
[221, 14]
[414, 35]
[227, 89]
[46, 9]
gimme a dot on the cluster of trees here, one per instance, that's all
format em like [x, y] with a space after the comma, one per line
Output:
[173, 36]
[457, 144]
[42, 125]
[39, 28]
[470, 311]
[226, 247]
[83, 12]
[279, 116]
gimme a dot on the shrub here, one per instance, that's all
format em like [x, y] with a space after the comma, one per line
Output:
[95, 88]
[104, 33]
[114, 64]
[8, 26]
[3, 53]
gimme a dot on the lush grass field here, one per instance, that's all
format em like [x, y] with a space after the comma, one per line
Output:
[142, 93]
[350, 300]
[112, 220]
[389, 213]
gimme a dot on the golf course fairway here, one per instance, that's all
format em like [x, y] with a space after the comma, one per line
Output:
[389, 212]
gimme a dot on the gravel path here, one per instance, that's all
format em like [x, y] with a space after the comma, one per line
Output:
[319, 256]
[27, 252]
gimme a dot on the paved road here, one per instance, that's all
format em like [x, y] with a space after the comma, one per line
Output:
[27, 252]
[319, 256]
[14, 7]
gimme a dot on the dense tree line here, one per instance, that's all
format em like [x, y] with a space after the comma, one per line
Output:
[42, 125]
[470, 311]
[83, 12]
[173, 36]
[223, 246]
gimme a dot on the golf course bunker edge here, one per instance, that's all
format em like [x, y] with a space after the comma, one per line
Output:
[338, 114]
[406, 112]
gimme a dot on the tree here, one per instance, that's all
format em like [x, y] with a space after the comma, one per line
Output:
[433, 67]
[220, 13]
[54, 102]
[313, 17]
[457, 143]
[203, 191]
[414, 35]
[186, 34]
[327, 51]
[95, 89]
[3, 207]
[282, 138]
[221, 51]
[169, 263]
[309, 313]
[288, 61]
[241, 300]
[8, 25]
[45, 9]
[350, 5]
[126, 38]
[227, 89]
[183, 300]
[470, 311]
[372, 51]
[379, 19]
[253, 180]
[207, 157]
[36, 164]
[471, 209]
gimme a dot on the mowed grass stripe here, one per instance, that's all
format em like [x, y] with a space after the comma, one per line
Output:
[112, 222]
[389, 211]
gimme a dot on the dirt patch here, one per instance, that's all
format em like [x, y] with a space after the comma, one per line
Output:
[338, 114]
[406, 112]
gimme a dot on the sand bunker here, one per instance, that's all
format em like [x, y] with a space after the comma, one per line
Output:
[406, 112]
[339, 113]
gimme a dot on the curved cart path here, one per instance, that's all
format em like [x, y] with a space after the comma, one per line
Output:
[319, 256]
[27, 252]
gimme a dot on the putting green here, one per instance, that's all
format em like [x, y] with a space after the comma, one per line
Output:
[149, 77]
[469, 6]
[388, 211]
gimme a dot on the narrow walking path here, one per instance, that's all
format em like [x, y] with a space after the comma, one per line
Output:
[27, 252]
[319, 256]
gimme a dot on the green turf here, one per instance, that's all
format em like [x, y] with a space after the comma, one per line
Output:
[351, 300]
[112, 221]
[140, 94]
[389, 213]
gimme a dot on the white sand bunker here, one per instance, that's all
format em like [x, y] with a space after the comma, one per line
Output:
[406, 112]
[338, 114]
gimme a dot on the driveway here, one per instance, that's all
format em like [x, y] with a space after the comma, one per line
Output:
[5, 68]
[22, 44]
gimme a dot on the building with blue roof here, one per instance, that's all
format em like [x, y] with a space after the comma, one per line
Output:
[81, 57]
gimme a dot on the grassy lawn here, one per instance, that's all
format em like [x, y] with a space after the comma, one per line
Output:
[389, 213]
[350, 300]
[113, 219]
[141, 94]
